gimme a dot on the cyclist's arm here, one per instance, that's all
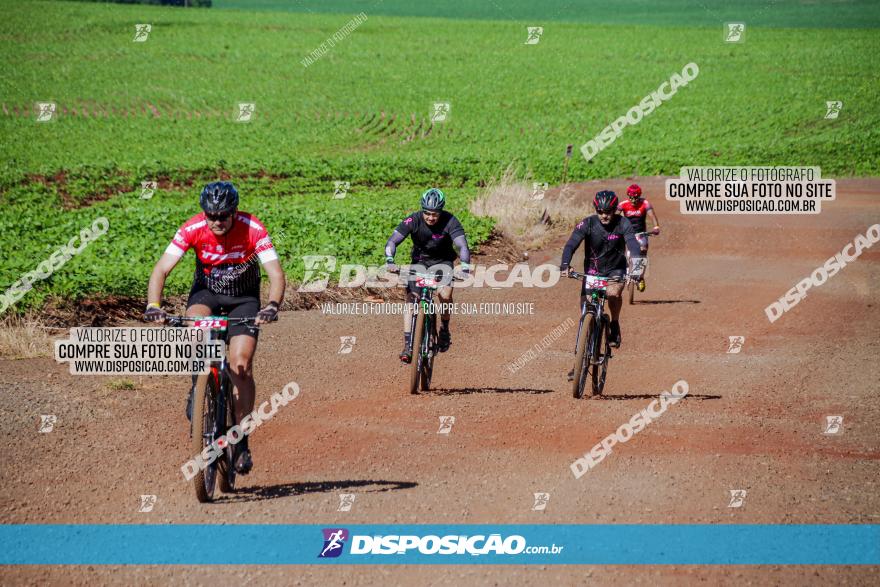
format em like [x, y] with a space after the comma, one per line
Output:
[157, 279]
[632, 243]
[391, 246]
[456, 232]
[653, 216]
[464, 253]
[277, 282]
[574, 241]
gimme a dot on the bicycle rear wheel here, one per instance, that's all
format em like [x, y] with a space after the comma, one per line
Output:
[204, 422]
[581, 358]
[418, 333]
[601, 354]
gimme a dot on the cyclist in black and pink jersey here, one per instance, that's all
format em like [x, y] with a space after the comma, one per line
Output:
[636, 209]
[227, 281]
[435, 234]
[607, 237]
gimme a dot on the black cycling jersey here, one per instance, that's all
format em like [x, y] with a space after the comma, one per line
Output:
[432, 244]
[605, 245]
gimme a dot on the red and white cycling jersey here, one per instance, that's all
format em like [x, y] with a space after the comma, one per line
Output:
[226, 263]
[635, 214]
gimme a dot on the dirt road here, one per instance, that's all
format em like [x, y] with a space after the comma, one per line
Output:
[753, 420]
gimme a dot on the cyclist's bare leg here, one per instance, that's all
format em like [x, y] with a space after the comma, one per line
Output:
[410, 299]
[445, 295]
[615, 299]
[240, 357]
[198, 310]
[195, 311]
[615, 304]
[643, 242]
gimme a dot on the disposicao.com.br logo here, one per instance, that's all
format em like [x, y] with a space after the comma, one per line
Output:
[480, 544]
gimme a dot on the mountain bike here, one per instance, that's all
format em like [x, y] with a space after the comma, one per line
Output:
[213, 408]
[424, 331]
[592, 347]
[632, 284]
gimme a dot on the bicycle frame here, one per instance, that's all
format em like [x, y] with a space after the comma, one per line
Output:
[590, 358]
[426, 298]
[594, 303]
[424, 339]
[424, 350]
[221, 415]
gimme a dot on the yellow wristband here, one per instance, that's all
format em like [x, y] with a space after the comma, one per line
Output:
[154, 305]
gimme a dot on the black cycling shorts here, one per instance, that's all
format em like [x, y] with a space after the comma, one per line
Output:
[231, 306]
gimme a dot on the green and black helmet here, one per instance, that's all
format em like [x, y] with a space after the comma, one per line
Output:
[433, 200]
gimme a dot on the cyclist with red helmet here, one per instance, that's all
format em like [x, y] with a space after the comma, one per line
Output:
[606, 236]
[226, 242]
[636, 209]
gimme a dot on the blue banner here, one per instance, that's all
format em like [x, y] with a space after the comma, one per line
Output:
[679, 544]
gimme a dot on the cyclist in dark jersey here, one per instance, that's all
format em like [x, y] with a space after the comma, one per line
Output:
[606, 237]
[435, 234]
[636, 209]
[227, 244]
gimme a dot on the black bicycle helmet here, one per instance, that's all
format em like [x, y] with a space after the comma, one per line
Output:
[219, 197]
[433, 200]
[605, 200]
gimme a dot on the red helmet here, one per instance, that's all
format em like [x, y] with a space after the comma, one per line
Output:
[634, 191]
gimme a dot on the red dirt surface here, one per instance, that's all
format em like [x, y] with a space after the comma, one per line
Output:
[752, 421]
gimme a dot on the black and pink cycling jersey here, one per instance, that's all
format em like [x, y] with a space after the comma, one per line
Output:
[605, 246]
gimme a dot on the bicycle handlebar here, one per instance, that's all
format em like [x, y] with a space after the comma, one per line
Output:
[576, 275]
[411, 273]
[181, 320]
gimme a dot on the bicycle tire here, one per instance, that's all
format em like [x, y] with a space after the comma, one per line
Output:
[600, 361]
[632, 291]
[417, 334]
[226, 464]
[428, 365]
[202, 422]
[580, 357]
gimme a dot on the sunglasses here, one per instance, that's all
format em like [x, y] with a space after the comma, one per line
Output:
[218, 217]
[431, 214]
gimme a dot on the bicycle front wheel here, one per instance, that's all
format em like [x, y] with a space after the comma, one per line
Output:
[601, 353]
[428, 364]
[204, 422]
[582, 357]
[227, 460]
[418, 334]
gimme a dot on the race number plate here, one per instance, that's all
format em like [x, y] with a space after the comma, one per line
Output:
[426, 282]
[212, 322]
[596, 282]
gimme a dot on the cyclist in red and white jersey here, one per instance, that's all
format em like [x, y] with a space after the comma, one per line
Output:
[227, 244]
[636, 209]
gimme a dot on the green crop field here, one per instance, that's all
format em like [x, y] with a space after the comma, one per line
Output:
[773, 13]
[164, 110]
